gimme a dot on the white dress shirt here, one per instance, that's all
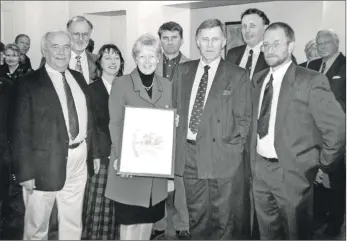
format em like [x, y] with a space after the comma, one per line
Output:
[79, 98]
[256, 51]
[266, 145]
[329, 63]
[107, 85]
[199, 73]
[84, 64]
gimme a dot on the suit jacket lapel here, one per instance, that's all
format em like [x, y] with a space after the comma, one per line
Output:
[285, 96]
[157, 89]
[50, 97]
[261, 64]
[159, 69]
[138, 86]
[335, 67]
[242, 52]
[91, 67]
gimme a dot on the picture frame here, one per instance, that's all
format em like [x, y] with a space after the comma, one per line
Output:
[148, 142]
[233, 36]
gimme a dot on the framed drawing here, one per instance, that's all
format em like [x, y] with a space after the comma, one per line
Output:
[148, 143]
[234, 35]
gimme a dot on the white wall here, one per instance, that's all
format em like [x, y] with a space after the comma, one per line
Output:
[305, 17]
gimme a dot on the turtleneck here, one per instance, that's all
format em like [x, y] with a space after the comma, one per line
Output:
[147, 81]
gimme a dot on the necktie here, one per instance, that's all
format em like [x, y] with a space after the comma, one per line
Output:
[73, 118]
[324, 65]
[198, 107]
[264, 117]
[249, 61]
[78, 66]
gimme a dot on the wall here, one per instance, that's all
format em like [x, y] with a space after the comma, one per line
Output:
[305, 17]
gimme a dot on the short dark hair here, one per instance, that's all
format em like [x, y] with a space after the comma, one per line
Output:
[289, 32]
[90, 46]
[210, 23]
[107, 48]
[260, 13]
[19, 36]
[170, 26]
[2, 47]
[79, 19]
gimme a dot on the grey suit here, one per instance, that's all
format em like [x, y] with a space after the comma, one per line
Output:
[215, 175]
[128, 90]
[309, 132]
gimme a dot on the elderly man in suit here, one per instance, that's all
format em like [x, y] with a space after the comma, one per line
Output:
[298, 127]
[330, 195]
[52, 127]
[171, 39]
[213, 100]
[311, 52]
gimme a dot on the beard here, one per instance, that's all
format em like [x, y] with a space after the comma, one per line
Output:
[274, 60]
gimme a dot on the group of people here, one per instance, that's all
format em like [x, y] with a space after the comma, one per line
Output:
[260, 141]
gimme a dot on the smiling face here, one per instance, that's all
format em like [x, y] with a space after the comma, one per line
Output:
[58, 51]
[11, 57]
[24, 44]
[147, 59]
[80, 33]
[110, 62]
[252, 27]
[326, 45]
[210, 42]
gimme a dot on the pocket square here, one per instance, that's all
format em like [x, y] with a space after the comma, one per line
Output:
[226, 92]
[337, 77]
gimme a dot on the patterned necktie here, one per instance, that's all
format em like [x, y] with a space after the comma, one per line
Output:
[78, 66]
[324, 65]
[72, 112]
[249, 61]
[198, 107]
[264, 117]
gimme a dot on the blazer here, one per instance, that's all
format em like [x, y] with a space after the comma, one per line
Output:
[225, 121]
[91, 65]
[336, 75]
[128, 90]
[309, 127]
[39, 140]
[159, 69]
[303, 64]
[99, 98]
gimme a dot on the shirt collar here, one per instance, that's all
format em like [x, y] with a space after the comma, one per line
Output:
[166, 59]
[280, 71]
[83, 55]
[51, 70]
[213, 65]
[332, 59]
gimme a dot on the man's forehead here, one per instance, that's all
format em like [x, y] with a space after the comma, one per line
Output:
[170, 33]
[59, 38]
[79, 25]
[324, 36]
[252, 18]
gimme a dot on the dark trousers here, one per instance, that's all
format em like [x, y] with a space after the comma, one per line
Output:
[213, 213]
[283, 207]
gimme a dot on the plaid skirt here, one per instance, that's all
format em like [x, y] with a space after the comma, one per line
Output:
[98, 211]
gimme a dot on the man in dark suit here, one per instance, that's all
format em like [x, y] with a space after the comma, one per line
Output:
[329, 201]
[212, 97]
[51, 135]
[298, 127]
[250, 56]
[311, 53]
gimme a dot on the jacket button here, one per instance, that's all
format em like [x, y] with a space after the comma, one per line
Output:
[214, 139]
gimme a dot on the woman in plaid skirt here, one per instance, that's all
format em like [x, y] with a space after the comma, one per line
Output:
[98, 211]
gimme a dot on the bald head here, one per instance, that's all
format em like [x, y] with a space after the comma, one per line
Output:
[56, 48]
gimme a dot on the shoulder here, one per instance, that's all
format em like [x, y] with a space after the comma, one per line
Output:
[91, 56]
[237, 49]
[188, 65]
[232, 68]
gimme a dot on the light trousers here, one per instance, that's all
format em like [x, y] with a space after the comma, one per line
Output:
[69, 200]
[140, 231]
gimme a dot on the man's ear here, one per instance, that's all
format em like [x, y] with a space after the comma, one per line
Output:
[291, 47]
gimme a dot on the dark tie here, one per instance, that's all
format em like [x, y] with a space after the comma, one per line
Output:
[78, 66]
[198, 107]
[324, 65]
[73, 118]
[249, 61]
[265, 111]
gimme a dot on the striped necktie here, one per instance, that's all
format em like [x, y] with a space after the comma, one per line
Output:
[265, 111]
[78, 66]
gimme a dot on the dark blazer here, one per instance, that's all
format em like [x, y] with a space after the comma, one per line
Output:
[39, 142]
[99, 98]
[129, 90]
[234, 56]
[309, 128]
[303, 64]
[225, 121]
[336, 75]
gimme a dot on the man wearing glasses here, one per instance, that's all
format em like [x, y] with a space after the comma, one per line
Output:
[297, 128]
[81, 29]
[330, 191]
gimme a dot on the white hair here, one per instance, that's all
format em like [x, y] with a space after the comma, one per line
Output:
[45, 38]
[330, 32]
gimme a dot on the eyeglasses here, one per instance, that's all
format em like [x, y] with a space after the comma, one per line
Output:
[77, 35]
[324, 43]
[274, 46]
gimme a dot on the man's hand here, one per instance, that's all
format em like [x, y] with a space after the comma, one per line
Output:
[96, 165]
[115, 167]
[177, 120]
[29, 185]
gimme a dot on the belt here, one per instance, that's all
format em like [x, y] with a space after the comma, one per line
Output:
[75, 145]
[192, 142]
[270, 159]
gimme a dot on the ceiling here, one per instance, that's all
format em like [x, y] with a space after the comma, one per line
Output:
[110, 13]
[214, 3]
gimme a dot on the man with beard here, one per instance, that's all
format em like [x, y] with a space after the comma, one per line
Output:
[298, 127]
[171, 38]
